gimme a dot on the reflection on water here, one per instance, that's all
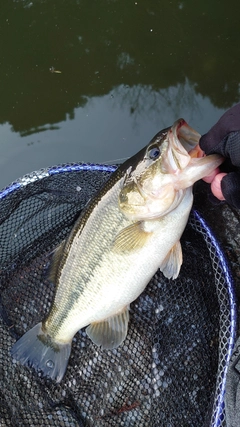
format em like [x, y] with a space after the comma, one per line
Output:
[162, 106]
[107, 128]
[95, 80]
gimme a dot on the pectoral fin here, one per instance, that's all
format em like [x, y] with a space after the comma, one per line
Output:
[111, 332]
[131, 238]
[172, 262]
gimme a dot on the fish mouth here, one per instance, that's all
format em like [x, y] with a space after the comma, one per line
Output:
[182, 146]
[187, 136]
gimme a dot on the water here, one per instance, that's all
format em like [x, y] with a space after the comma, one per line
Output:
[128, 69]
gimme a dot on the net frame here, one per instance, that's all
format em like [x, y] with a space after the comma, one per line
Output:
[225, 298]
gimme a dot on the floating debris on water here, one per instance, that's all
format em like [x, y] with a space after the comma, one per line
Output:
[52, 70]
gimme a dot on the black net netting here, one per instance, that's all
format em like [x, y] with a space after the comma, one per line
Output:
[170, 371]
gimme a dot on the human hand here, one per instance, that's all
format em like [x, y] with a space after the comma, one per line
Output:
[224, 138]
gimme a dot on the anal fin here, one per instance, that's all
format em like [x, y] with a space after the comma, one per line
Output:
[111, 332]
[171, 264]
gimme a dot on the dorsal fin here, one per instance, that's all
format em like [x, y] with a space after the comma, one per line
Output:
[57, 255]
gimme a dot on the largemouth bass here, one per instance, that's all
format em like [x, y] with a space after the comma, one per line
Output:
[126, 232]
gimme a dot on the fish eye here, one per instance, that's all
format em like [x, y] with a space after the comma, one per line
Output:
[154, 152]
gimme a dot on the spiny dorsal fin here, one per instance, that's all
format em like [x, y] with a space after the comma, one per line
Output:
[131, 238]
[57, 255]
[172, 262]
[111, 332]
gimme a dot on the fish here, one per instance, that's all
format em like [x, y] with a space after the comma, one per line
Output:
[126, 232]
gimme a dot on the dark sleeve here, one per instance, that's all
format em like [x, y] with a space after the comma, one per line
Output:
[230, 186]
[232, 395]
[224, 138]
[218, 135]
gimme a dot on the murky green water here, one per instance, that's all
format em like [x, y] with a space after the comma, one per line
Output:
[128, 69]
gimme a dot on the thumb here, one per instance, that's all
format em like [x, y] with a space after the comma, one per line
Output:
[216, 187]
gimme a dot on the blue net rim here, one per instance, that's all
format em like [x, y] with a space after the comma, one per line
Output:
[224, 265]
[54, 170]
[76, 167]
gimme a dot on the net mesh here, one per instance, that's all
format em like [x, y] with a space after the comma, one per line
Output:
[170, 371]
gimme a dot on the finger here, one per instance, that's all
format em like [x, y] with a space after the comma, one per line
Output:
[210, 178]
[216, 186]
[196, 152]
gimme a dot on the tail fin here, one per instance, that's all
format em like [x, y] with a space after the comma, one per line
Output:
[36, 349]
